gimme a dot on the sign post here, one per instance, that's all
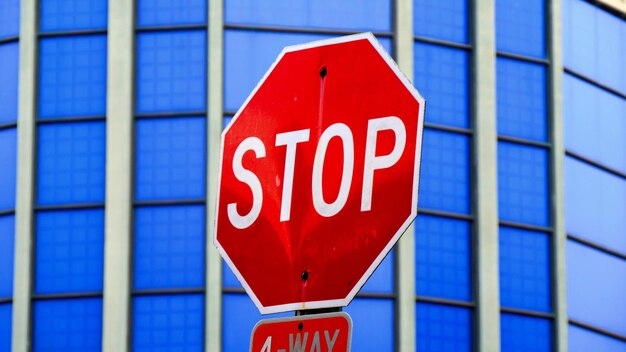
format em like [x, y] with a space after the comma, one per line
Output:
[319, 174]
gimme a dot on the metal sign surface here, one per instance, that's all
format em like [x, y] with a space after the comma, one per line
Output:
[319, 174]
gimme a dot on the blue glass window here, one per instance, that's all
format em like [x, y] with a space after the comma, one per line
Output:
[9, 18]
[525, 269]
[170, 158]
[9, 54]
[64, 15]
[523, 184]
[593, 43]
[591, 114]
[8, 165]
[372, 324]
[359, 15]
[168, 323]
[171, 71]
[249, 54]
[239, 315]
[72, 79]
[446, 20]
[442, 77]
[595, 213]
[442, 328]
[525, 334]
[169, 13]
[521, 99]
[382, 280]
[71, 325]
[442, 258]
[70, 250]
[596, 287]
[71, 165]
[521, 27]
[5, 327]
[445, 173]
[7, 244]
[169, 247]
[582, 340]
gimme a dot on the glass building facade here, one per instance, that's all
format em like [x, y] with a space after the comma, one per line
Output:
[110, 119]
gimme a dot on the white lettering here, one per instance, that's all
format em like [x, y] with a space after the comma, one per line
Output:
[331, 342]
[267, 346]
[248, 177]
[289, 139]
[342, 131]
[373, 162]
[296, 346]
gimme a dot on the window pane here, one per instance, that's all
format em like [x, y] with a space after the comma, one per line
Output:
[582, 340]
[169, 13]
[382, 280]
[525, 334]
[73, 75]
[523, 184]
[359, 15]
[7, 244]
[171, 71]
[442, 77]
[595, 213]
[8, 167]
[239, 315]
[169, 247]
[591, 114]
[64, 15]
[171, 160]
[9, 54]
[596, 287]
[525, 269]
[69, 325]
[5, 327]
[249, 54]
[442, 258]
[593, 43]
[372, 324]
[71, 162]
[446, 20]
[521, 27]
[442, 328]
[168, 323]
[521, 99]
[9, 18]
[445, 173]
[69, 251]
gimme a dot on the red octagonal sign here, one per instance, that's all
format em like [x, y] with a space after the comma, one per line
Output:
[319, 172]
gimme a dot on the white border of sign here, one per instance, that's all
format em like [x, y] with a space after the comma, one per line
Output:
[418, 152]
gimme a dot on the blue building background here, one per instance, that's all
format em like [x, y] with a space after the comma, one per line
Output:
[110, 114]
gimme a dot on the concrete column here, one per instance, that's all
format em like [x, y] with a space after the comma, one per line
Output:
[486, 177]
[557, 155]
[213, 339]
[405, 250]
[24, 216]
[119, 166]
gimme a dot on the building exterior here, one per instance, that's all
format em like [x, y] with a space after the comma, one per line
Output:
[110, 118]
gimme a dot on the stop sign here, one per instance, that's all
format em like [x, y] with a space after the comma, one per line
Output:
[319, 172]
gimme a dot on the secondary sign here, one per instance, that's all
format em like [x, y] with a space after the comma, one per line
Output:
[319, 174]
[316, 333]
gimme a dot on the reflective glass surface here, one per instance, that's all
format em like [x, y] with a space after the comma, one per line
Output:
[9, 55]
[70, 251]
[72, 76]
[519, 333]
[71, 163]
[8, 168]
[521, 27]
[583, 340]
[443, 258]
[170, 158]
[443, 19]
[441, 328]
[65, 15]
[7, 244]
[170, 13]
[441, 75]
